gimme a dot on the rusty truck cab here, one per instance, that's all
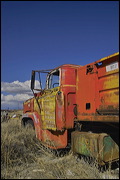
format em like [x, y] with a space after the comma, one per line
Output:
[61, 89]
[53, 105]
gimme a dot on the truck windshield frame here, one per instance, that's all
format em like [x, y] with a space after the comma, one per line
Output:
[33, 78]
[53, 79]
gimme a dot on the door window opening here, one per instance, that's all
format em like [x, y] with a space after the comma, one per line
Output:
[53, 80]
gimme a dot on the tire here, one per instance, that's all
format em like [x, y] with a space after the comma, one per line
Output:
[29, 124]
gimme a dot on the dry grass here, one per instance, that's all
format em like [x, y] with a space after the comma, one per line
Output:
[24, 157]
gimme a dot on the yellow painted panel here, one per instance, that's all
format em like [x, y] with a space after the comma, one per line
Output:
[115, 54]
[109, 82]
[47, 104]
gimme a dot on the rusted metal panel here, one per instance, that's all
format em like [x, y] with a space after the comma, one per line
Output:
[108, 80]
[60, 111]
[99, 118]
[71, 100]
[68, 76]
[86, 91]
[54, 139]
[28, 105]
[97, 91]
[68, 87]
[47, 102]
[109, 57]
[48, 112]
[99, 146]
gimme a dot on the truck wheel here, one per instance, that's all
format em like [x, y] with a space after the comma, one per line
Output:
[29, 124]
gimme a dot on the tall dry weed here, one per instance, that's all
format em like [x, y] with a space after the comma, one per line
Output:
[24, 157]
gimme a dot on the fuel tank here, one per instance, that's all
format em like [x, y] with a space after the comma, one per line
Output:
[99, 146]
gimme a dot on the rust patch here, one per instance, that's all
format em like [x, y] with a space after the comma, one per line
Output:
[116, 93]
[59, 98]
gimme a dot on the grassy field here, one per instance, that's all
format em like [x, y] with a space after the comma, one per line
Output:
[24, 157]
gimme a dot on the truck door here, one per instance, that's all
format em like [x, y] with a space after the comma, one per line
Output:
[48, 101]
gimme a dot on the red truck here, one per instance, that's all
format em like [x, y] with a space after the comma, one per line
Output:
[78, 108]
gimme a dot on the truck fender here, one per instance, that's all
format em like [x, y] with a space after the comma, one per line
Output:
[35, 117]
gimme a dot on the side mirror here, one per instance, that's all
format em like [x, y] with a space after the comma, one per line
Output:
[32, 80]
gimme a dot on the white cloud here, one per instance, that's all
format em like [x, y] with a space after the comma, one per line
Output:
[16, 87]
[14, 101]
[17, 93]
[17, 97]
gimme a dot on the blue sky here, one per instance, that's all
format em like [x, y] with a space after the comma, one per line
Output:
[45, 34]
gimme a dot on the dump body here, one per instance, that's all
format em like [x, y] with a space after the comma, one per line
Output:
[97, 94]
